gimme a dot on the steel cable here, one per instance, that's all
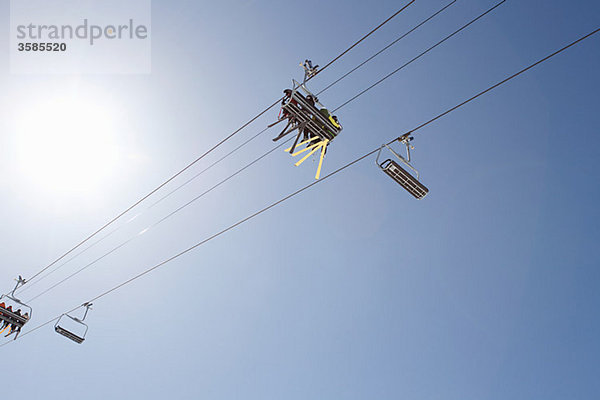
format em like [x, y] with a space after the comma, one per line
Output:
[509, 78]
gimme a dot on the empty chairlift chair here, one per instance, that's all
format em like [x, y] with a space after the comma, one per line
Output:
[15, 312]
[73, 328]
[399, 174]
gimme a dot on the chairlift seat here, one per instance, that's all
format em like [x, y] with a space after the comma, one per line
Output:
[304, 113]
[12, 318]
[61, 330]
[405, 179]
[69, 335]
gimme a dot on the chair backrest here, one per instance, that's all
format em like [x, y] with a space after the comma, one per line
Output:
[62, 330]
[15, 304]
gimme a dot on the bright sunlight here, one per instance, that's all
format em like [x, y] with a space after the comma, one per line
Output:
[66, 145]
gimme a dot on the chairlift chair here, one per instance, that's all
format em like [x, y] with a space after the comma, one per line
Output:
[401, 175]
[302, 115]
[11, 317]
[78, 336]
[310, 118]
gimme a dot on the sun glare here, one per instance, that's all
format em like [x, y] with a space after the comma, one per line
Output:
[66, 145]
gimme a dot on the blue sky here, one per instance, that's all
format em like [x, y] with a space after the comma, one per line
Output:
[352, 290]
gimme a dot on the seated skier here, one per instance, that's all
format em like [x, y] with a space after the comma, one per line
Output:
[14, 327]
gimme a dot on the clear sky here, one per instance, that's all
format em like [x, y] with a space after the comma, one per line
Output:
[487, 289]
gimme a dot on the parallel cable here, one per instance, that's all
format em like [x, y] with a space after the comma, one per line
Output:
[462, 104]
[22, 289]
[211, 149]
[353, 98]
[240, 146]
[343, 167]
[386, 47]
[145, 230]
[153, 191]
[32, 284]
[363, 38]
[420, 55]
[328, 87]
[504, 81]
[207, 168]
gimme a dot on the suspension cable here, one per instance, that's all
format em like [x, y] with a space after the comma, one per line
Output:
[421, 55]
[212, 148]
[207, 168]
[33, 283]
[180, 208]
[152, 226]
[247, 166]
[40, 278]
[386, 47]
[489, 89]
[363, 38]
[30, 284]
